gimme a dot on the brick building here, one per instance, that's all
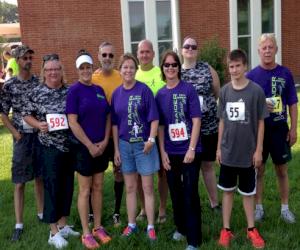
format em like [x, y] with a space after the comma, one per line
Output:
[66, 26]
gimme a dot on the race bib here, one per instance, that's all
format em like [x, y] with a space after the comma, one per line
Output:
[235, 111]
[178, 132]
[277, 104]
[57, 122]
[26, 126]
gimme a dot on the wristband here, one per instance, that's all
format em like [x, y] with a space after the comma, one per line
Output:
[151, 139]
[191, 148]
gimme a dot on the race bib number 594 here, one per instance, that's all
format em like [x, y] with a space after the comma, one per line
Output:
[57, 122]
[235, 111]
[178, 132]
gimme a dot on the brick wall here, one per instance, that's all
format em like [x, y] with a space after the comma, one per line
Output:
[66, 26]
[205, 19]
[291, 36]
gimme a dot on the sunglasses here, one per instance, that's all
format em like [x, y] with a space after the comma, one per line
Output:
[50, 57]
[110, 55]
[174, 65]
[53, 70]
[189, 46]
[25, 58]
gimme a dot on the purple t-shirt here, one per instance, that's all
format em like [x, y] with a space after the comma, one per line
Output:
[277, 82]
[91, 106]
[177, 106]
[133, 110]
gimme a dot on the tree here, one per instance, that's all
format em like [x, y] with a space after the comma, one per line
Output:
[8, 13]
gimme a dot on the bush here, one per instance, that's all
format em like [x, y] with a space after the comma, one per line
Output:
[214, 54]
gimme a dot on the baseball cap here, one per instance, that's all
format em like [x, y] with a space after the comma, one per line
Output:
[21, 50]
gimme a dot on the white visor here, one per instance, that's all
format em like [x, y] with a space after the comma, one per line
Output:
[83, 59]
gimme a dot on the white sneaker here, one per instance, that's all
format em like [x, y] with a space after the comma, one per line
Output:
[288, 216]
[190, 247]
[67, 231]
[57, 240]
[178, 236]
[259, 214]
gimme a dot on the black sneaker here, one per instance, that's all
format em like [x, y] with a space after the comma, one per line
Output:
[16, 234]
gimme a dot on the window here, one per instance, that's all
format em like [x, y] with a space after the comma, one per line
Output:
[156, 20]
[248, 20]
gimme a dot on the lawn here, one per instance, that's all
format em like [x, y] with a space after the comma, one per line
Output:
[278, 235]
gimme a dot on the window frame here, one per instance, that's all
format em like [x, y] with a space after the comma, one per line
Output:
[255, 24]
[150, 24]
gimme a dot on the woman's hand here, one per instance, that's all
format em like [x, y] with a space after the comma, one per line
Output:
[43, 127]
[147, 147]
[165, 161]
[189, 156]
[117, 158]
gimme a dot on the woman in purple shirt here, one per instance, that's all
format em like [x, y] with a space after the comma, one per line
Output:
[134, 126]
[89, 120]
[180, 148]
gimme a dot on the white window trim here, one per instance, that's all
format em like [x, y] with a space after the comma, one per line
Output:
[150, 25]
[255, 18]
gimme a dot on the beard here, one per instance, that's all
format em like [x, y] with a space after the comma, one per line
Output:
[27, 66]
[107, 66]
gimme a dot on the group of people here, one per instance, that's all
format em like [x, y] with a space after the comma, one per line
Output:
[172, 120]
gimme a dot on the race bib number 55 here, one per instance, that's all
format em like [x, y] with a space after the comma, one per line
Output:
[178, 132]
[235, 111]
[57, 122]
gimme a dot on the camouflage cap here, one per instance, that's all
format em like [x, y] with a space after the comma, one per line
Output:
[21, 50]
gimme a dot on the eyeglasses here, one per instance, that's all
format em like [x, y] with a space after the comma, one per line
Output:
[53, 70]
[50, 57]
[25, 58]
[110, 55]
[189, 46]
[174, 65]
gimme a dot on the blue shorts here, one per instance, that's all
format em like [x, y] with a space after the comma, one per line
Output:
[135, 161]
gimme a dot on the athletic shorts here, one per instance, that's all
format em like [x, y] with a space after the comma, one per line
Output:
[276, 145]
[25, 166]
[133, 160]
[85, 164]
[242, 179]
[209, 147]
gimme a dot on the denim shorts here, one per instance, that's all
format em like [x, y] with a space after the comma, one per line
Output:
[135, 161]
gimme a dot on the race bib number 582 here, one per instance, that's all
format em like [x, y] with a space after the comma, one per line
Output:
[178, 132]
[57, 122]
[235, 111]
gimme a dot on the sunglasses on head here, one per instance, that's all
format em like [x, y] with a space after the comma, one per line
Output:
[110, 55]
[25, 58]
[174, 65]
[189, 46]
[50, 57]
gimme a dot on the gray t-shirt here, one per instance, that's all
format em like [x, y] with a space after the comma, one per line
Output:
[241, 110]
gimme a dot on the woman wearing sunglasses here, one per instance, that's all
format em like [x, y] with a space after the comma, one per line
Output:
[180, 148]
[135, 122]
[45, 110]
[89, 118]
[206, 82]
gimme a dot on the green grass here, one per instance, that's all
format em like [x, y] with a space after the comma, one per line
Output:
[278, 235]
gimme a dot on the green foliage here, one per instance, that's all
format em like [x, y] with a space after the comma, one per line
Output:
[214, 54]
[8, 13]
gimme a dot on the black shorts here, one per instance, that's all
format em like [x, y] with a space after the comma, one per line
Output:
[25, 166]
[276, 145]
[209, 147]
[85, 164]
[246, 176]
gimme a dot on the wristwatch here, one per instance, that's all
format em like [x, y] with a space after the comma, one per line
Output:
[151, 139]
